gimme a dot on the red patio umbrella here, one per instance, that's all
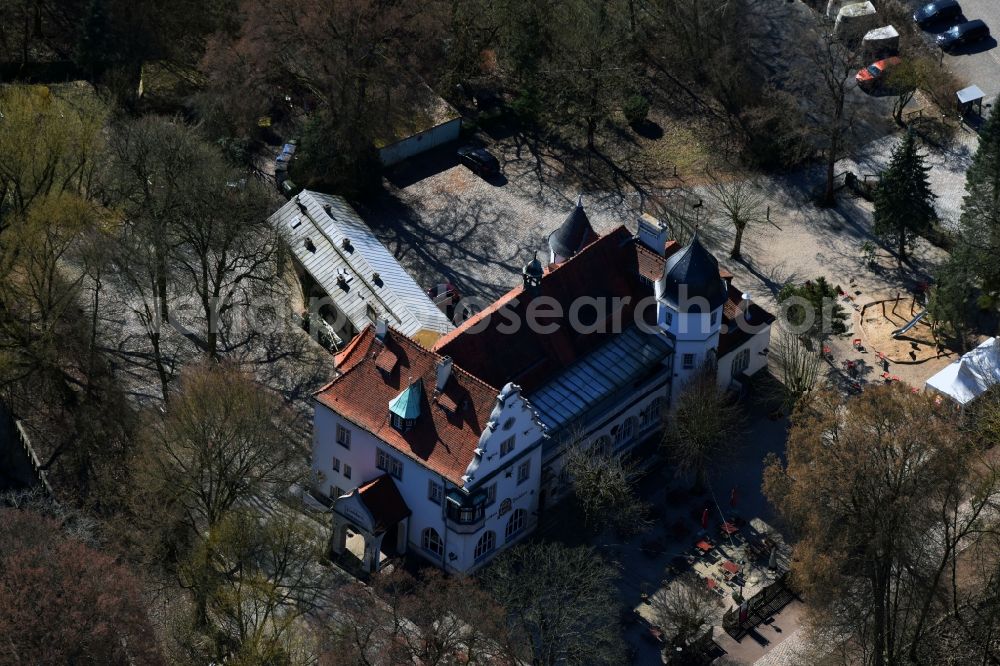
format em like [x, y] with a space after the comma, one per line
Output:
[704, 519]
[732, 497]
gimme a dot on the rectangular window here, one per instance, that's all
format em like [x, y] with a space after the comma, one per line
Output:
[715, 317]
[387, 463]
[434, 492]
[347, 471]
[343, 436]
[741, 362]
[491, 494]
[335, 492]
[506, 446]
[335, 464]
[523, 471]
[688, 361]
[668, 318]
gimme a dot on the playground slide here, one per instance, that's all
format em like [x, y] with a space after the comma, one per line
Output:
[910, 324]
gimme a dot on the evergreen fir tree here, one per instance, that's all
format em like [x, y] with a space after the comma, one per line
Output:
[952, 304]
[903, 200]
[980, 221]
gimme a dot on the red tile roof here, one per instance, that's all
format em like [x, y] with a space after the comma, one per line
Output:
[606, 269]
[373, 372]
[614, 266]
[382, 498]
[448, 430]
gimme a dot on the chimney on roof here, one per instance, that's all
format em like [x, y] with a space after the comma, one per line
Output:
[380, 328]
[302, 206]
[443, 373]
[746, 305]
[653, 233]
[328, 209]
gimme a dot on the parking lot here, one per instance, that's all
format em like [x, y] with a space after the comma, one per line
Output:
[977, 64]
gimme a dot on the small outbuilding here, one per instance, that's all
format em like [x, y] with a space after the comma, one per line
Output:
[970, 99]
[880, 42]
[419, 120]
[854, 20]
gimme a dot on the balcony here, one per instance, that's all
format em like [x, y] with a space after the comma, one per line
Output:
[465, 514]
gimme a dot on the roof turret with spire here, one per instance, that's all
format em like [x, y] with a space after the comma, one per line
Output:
[691, 278]
[574, 234]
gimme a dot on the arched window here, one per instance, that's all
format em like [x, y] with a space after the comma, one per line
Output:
[602, 446]
[515, 524]
[628, 428]
[431, 541]
[487, 544]
[656, 411]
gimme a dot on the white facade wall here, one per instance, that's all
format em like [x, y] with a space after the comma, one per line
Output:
[695, 335]
[414, 485]
[459, 541]
[511, 419]
[752, 350]
[646, 403]
[418, 143]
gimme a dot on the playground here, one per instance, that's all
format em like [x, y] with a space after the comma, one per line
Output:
[900, 330]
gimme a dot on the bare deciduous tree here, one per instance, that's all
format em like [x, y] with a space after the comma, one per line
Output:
[223, 440]
[561, 600]
[882, 490]
[827, 82]
[703, 428]
[798, 367]
[742, 204]
[685, 608]
[64, 602]
[427, 619]
[604, 487]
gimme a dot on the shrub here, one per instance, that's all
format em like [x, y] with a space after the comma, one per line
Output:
[635, 109]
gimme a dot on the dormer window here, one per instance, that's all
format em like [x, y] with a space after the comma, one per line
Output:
[401, 424]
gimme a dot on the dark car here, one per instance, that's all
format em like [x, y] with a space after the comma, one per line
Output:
[934, 12]
[963, 33]
[479, 160]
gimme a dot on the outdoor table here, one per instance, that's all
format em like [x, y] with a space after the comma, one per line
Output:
[710, 583]
[731, 567]
[703, 546]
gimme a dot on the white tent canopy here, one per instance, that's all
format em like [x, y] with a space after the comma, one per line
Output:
[969, 377]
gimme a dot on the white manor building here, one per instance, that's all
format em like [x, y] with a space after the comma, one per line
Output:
[453, 452]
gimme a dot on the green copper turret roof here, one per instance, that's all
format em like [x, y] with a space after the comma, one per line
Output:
[406, 405]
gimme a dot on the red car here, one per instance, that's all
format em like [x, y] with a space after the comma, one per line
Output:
[874, 72]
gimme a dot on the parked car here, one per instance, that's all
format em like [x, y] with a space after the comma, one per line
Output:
[969, 32]
[937, 12]
[871, 75]
[479, 160]
[286, 155]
